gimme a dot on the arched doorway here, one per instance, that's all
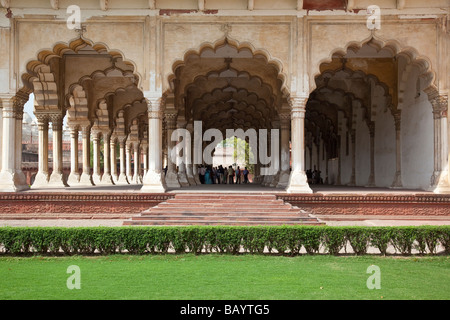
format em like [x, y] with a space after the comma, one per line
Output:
[96, 91]
[225, 88]
[372, 120]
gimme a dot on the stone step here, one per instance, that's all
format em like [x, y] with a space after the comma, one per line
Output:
[231, 217]
[223, 209]
[224, 196]
[172, 211]
[214, 222]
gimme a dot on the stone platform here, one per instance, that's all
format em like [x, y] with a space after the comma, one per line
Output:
[124, 202]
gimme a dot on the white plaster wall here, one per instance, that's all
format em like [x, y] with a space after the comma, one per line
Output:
[385, 146]
[417, 137]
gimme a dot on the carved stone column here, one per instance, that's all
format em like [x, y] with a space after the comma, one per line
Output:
[106, 177]
[12, 178]
[41, 179]
[74, 176]
[440, 179]
[371, 182]
[397, 183]
[96, 174]
[188, 158]
[86, 178]
[285, 121]
[352, 182]
[182, 174]
[137, 164]
[297, 180]
[113, 158]
[123, 163]
[57, 178]
[171, 175]
[276, 173]
[154, 179]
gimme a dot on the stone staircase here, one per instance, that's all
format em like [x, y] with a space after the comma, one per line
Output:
[223, 209]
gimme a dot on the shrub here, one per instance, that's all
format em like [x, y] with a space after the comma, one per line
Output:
[359, 239]
[224, 239]
[334, 239]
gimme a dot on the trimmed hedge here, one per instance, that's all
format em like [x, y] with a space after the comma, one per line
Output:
[224, 239]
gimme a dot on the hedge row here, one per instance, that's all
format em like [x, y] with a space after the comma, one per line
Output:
[224, 239]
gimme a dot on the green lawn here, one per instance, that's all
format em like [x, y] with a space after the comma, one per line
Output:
[224, 277]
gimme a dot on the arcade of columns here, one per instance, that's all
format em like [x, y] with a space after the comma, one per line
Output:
[363, 107]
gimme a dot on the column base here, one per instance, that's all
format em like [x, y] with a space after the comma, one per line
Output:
[171, 180]
[440, 182]
[96, 178]
[73, 179]
[13, 182]
[154, 183]
[298, 183]
[85, 180]
[283, 180]
[274, 181]
[57, 180]
[106, 179]
[397, 184]
[197, 179]
[182, 178]
[122, 179]
[40, 180]
[191, 180]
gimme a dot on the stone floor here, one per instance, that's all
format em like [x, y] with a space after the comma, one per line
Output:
[235, 188]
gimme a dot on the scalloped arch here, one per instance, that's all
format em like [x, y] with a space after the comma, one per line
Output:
[59, 49]
[394, 46]
[239, 47]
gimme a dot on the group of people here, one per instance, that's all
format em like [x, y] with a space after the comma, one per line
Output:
[222, 175]
[313, 176]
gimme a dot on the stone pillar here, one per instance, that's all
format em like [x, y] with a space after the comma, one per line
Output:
[371, 182]
[137, 164]
[188, 159]
[12, 178]
[74, 176]
[352, 182]
[182, 172]
[106, 177]
[276, 174]
[440, 179]
[171, 175]
[268, 176]
[113, 159]
[154, 179]
[144, 152]
[96, 174]
[397, 183]
[285, 158]
[128, 162]
[86, 178]
[122, 165]
[297, 180]
[41, 178]
[56, 178]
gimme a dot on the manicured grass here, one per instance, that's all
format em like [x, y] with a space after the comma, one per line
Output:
[224, 277]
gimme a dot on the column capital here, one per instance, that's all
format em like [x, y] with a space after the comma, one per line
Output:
[440, 106]
[298, 106]
[57, 120]
[154, 106]
[397, 119]
[171, 120]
